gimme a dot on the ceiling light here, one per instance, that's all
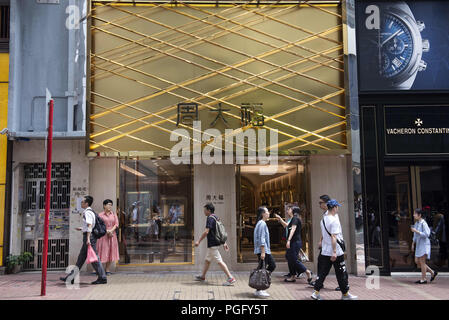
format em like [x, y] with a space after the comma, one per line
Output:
[131, 170]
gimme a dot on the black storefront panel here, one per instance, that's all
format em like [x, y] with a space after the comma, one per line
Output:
[416, 130]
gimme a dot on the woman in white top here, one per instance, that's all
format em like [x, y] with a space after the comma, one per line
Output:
[421, 233]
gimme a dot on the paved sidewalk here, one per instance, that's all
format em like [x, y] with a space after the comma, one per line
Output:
[181, 286]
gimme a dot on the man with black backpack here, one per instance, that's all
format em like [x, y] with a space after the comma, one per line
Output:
[216, 236]
[92, 230]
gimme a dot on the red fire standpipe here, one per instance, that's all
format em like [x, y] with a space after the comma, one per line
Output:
[47, 199]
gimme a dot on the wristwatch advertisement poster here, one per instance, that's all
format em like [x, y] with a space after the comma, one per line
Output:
[403, 45]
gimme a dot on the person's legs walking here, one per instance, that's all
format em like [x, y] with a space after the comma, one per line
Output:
[98, 267]
[80, 261]
[341, 274]
[271, 264]
[291, 260]
[298, 265]
[324, 266]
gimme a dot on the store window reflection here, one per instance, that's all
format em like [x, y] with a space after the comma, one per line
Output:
[156, 216]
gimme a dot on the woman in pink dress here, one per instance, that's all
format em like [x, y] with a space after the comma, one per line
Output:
[107, 245]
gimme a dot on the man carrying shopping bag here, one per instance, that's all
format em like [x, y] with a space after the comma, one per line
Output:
[89, 243]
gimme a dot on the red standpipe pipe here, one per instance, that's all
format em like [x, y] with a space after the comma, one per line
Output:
[47, 198]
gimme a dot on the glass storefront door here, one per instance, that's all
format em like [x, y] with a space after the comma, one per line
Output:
[156, 215]
[407, 188]
[276, 192]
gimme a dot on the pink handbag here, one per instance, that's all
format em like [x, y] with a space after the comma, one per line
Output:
[91, 255]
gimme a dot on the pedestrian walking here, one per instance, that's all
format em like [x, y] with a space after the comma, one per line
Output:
[107, 245]
[262, 245]
[323, 206]
[294, 244]
[332, 253]
[421, 242]
[212, 246]
[88, 240]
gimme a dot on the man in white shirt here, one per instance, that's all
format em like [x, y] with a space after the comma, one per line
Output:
[88, 239]
[331, 253]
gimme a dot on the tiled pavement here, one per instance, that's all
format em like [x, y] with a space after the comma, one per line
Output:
[181, 286]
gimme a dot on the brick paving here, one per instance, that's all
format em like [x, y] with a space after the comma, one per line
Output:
[181, 286]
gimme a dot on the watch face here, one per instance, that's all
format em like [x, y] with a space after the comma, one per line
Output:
[396, 46]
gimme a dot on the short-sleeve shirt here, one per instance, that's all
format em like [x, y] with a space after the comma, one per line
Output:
[297, 235]
[211, 224]
[88, 218]
[334, 227]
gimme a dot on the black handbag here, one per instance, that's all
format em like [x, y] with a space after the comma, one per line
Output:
[260, 278]
[341, 242]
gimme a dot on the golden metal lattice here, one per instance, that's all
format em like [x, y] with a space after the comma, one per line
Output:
[288, 55]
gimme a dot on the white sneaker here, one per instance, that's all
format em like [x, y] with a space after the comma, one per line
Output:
[263, 294]
[316, 296]
[349, 297]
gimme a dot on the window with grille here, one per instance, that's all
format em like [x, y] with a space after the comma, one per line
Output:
[4, 28]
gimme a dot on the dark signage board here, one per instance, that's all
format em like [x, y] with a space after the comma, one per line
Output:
[418, 130]
[403, 45]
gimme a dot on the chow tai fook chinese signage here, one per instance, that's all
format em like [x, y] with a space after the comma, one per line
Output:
[419, 130]
[244, 66]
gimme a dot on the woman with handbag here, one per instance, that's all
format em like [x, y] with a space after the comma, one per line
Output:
[421, 233]
[262, 246]
[294, 245]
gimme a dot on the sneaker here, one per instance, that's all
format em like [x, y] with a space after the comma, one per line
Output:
[200, 278]
[263, 294]
[349, 297]
[229, 282]
[316, 296]
[421, 282]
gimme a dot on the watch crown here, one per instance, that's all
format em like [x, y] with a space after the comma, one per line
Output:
[420, 25]
[425, 45]
[422, 65]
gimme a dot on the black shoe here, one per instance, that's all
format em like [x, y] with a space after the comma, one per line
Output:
[100, 281]
[421, 282]
[337, 289]
[63, 279]
[289, 280]
[435, 273]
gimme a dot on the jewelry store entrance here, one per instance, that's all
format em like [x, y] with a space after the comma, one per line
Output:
[287, 187]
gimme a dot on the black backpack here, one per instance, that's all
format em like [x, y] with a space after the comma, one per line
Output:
[99, 230]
